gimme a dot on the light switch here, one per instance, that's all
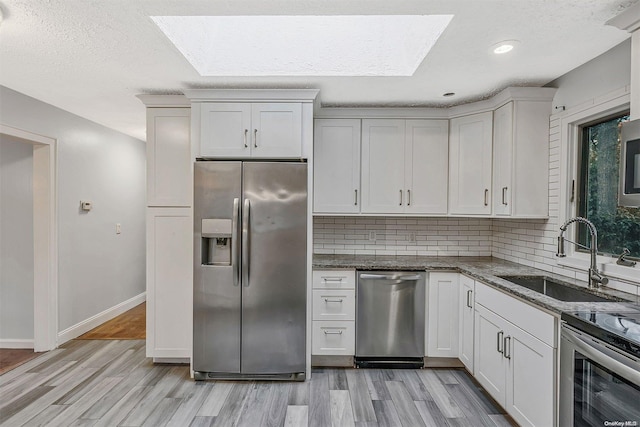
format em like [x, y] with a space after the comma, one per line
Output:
[118, 229]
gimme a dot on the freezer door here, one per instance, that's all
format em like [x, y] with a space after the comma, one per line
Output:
[216, 284]
[274, 236]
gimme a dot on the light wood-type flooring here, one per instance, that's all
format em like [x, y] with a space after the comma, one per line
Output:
[130, 325]
[11, 358]
[112, 383]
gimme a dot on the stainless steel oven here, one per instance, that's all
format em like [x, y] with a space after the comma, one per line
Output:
[600, 369]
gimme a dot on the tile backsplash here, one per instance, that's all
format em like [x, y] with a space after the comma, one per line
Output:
[402, 236]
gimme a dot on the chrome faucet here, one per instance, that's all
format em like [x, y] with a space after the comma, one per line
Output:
[595, 278]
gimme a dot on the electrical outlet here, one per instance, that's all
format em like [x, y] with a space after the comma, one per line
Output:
[118, 228]
[372, 236]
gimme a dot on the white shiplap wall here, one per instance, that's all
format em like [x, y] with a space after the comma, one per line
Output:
[394, 236]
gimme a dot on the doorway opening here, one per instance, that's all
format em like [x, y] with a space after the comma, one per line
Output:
[44, 309]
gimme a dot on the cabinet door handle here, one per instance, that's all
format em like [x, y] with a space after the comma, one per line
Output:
[499, 341]
[355, 203]
[469, 298]
[326, 300]
[506, 346]
[486, 197]
[504, 196]
[332, 332]
[246, 131]
[408, 197]
[255, 138]
[400, 197]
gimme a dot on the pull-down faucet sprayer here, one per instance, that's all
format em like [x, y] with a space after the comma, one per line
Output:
[595, 277]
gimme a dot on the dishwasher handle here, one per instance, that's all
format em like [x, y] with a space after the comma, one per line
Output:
[390, 277]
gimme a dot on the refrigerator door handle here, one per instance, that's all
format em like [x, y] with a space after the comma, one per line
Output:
[235, 265]
[245, 243]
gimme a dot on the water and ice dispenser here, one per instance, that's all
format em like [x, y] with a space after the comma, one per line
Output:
[216, 241]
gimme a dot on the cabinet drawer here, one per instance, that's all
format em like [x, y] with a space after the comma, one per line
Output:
[334, 279]
[334, 304]
[333, 338]
[528, 318]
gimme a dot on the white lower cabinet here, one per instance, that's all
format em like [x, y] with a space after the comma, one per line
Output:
[442, 317]
[333, 331]
[333, 338]
[169, 283]
[515, 367]
[466, 304]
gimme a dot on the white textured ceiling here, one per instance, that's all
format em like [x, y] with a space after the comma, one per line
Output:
[90, 57]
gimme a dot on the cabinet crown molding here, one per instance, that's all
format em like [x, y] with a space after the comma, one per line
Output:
[251, 95]
[164, 101]
[628, 20]
[542, 94]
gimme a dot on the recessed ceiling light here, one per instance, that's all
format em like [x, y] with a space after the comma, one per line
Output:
[347, 45]
[504, 46]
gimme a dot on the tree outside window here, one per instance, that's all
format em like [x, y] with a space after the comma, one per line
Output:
[618, 227]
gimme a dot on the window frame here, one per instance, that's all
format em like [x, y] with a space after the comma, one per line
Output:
[582, 177]
[571, 123]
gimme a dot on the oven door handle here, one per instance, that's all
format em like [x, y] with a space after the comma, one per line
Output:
[604, 356]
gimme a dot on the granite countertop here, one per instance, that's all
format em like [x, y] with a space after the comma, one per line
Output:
[487, 270]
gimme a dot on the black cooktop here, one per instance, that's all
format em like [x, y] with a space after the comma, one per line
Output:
[619, 329]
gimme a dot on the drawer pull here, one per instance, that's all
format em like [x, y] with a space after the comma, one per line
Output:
[333, 279]
[333, 300]
[332, 332]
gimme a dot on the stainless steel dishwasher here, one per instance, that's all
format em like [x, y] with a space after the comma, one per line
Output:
[390, 319]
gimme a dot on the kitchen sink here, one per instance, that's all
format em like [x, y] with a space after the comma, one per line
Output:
[553, 289]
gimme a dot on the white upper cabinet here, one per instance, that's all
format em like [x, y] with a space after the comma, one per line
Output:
[224, 129]
[168, 157]
[426, 166]
[383, 148]
[502, 155]
[236, 129]
[277, 130]
[404, 166]
[336, 166]
[521, 159]
[470, 156]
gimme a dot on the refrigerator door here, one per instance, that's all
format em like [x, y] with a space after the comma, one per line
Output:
[274, 235]
[216, 286]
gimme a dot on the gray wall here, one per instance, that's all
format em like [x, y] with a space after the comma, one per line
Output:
[600, 76]
[16, 240]
[97, 269]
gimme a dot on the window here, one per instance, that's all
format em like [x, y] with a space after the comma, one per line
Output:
[599, 162]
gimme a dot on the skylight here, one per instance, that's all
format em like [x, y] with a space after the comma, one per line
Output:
[354, 45]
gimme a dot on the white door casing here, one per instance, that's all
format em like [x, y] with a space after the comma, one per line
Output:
[45, 234]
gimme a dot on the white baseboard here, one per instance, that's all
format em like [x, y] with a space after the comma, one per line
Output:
[97, 320]
[15, 344]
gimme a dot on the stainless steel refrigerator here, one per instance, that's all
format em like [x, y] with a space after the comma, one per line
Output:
[250, 270]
